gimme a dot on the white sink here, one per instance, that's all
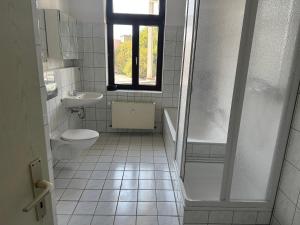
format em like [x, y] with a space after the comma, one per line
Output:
[82, 99]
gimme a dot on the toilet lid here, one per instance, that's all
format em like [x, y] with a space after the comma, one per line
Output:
[79, 134]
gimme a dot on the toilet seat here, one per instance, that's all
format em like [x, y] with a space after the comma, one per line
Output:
[79, 134]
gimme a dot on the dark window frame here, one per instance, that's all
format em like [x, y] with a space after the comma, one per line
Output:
[135, 20]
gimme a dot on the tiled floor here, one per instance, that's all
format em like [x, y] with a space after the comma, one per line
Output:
[124, 179]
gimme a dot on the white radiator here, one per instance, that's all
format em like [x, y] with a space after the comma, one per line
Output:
[133, 115]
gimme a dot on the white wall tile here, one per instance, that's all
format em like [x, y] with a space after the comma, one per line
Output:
[290, 182]
[284, 209]
[244, 217]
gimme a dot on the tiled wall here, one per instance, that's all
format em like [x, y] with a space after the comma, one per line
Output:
[94, 76]
[287, 206]
[211, 152]
[60, 118]
[225, 216]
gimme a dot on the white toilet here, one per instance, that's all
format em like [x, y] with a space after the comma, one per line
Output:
[71, 143]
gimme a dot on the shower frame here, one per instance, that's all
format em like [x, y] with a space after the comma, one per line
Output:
[247, 33]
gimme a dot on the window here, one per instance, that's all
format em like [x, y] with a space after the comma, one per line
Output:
[135, 31]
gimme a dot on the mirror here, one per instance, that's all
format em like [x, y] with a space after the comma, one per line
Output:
[51, 86]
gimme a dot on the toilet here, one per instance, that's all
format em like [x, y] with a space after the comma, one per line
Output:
[71, 143]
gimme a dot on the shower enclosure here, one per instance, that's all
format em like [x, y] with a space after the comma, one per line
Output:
[237, 93]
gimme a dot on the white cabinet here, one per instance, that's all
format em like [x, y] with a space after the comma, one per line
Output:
[61, 35]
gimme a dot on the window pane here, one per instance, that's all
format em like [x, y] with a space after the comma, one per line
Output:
[123, 54]
[136, 6]
[148, 55]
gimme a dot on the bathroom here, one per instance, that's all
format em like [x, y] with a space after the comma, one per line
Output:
[152, 112]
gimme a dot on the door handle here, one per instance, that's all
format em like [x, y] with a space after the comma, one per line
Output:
[47, 188]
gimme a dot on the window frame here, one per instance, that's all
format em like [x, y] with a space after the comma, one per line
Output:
[135, 20]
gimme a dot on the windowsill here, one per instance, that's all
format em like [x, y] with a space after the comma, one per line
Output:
[136, 91]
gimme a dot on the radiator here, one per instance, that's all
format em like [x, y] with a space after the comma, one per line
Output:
[133, 115]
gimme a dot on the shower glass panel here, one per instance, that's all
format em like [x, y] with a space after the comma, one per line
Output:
[217, 47]
[266, 89]
[185, 83]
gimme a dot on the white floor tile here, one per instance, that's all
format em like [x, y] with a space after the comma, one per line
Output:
[146, 175]
[66, 207]
[112, 184]
[87, 166]
[90, 195]
[128, 196]
[162, 175]
[59, 193]
[117, 166]
[103, 220]
[115, 174]
[132, 166]
[109, 195]
[147, 209]
[131, 175]
[61, 183]
[106, 208]
[147, 184]
[102, 166]
[126, 208]
[125, 220]
[99, 175]
[147, 195]
[78, 183]
[66, 174]
[147, 166]
[164, 184]
[83, 174]
[166, 208]
[80, 220]
[71, 194]
[146, 220]
[85, 208]
[165, 196]
[168, 220]
[63, 219]
[95, 184]
[129, 184]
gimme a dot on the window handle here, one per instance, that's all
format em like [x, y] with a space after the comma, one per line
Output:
[136, 60]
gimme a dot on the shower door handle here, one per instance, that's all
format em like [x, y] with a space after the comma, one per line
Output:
[47, 188]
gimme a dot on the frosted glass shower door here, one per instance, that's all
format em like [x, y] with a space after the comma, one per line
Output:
[264, 101]
[213, 77]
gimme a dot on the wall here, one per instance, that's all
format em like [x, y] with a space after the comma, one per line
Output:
[60, 118]
[92, 47]
[94, 75]
[287, 206]
[67, 79]
[93, 11]
[53, 4]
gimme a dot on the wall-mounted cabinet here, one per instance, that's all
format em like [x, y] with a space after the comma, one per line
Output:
[61, 35]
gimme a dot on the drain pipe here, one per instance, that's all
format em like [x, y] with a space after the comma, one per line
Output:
[80, 112]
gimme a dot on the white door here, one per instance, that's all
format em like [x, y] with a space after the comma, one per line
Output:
[22, 137]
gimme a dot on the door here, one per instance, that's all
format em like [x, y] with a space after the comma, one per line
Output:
[22, 136]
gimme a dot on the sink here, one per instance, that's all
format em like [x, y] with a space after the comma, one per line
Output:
[82, 99]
